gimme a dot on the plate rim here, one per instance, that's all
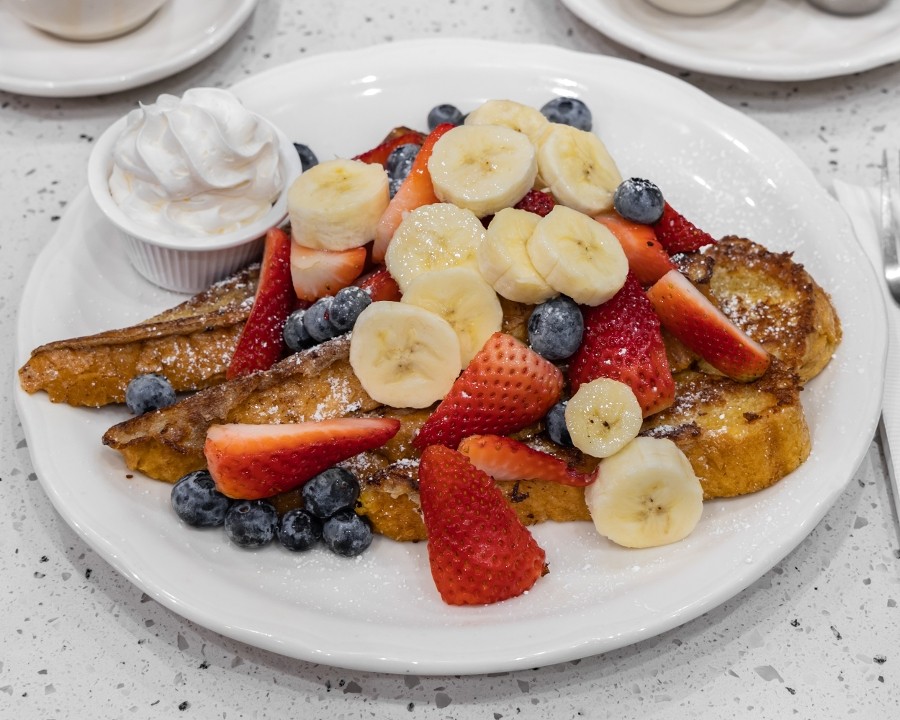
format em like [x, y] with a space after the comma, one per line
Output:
[602, 19]
[108, 84]
[437, 666]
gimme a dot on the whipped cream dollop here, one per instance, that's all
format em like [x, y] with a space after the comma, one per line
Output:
[197, 165]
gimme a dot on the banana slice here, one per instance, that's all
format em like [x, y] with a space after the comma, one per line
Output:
[578, 169]
[433, 237]
[403, 355]
[462, 297]
[336, 205]
[503, 258]
[602, 417]
[522, 118]
[577, 256]
[645, 495]
[483, 168]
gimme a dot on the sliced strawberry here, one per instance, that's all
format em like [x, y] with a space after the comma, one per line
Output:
[537, 202]
[248, 462]
[505, 387]
[416, 190]
[622, 341]
[692, 318]
[380, 285]
[677, 234]
[261, 344]
[647, 258]
[397, 137]
[504, 458]
[478, 549]
[317, 273]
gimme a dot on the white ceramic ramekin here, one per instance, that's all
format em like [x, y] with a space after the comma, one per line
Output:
[186, 265]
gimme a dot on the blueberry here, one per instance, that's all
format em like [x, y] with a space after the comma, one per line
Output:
[399, 163]
[296, 336]
[197, 502]
[330, 491]
[555, 328]
[308, 158]
[555, 422]
[316, 322]
[445, 113]
[298, 530]
[639, 200]
[148, 392]
[348, 303]
[251, 523]
[346, 533]
[568, 111]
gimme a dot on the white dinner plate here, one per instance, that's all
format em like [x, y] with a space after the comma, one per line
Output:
[180, 34]
[755, 39]
[380, 611]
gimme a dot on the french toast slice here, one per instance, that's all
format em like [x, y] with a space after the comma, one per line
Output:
[191, 344]
[772, 298]
[739, 437]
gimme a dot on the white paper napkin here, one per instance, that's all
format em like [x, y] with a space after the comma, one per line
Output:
[862, 206]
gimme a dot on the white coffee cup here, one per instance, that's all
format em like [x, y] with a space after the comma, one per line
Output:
[84, 19]
[693, 7]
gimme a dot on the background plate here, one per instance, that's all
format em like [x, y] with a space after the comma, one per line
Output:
[182, 32]
[755, 39]
[380, 611]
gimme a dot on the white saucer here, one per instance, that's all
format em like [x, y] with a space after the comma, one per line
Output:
[755, 39]
[181, 34]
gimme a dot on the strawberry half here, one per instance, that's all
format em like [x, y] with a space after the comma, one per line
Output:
[622, 341]
[249, 462]
[261, 344]
[647, 258]
[317, 273]
[395, 138]
[690, 316]
[505, 387]
[504, 458]
[677, 234]
[416, 190]
[380, 285]
[478, 549]
[537, 202]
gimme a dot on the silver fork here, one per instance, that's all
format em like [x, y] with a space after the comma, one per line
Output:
[889, 231]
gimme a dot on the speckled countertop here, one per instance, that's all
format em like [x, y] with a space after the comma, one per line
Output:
[818, 636]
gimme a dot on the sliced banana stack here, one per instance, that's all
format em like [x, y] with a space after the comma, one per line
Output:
[433, 237]
[462, 297]
[516, 116]
[602, 417]
[578, 169]
[645, 495]
[483, 168]
[503, 258]
[577, 256]
[403, 355]
[336, 205]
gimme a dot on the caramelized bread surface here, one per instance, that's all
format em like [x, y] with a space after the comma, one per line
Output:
[191, 344]
[772, 298]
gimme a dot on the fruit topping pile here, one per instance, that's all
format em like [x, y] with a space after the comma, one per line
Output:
[416, 247]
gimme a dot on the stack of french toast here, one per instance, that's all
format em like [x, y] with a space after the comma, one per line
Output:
[739, 437]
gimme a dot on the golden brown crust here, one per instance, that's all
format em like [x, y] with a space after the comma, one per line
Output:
[739, 437]
[191, 344]
[313, 385]
[772, 298]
